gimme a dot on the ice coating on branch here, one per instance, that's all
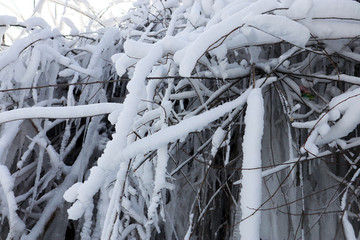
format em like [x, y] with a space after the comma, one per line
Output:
[251, 190]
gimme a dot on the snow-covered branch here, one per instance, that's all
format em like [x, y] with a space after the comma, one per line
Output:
[60, 112]
[201, 95]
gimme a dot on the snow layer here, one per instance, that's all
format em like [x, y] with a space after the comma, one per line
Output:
[114, 148]
[300, 8]
[217, 139]
[214, 33]
[348, 228]
[341, 14]
[280, 27]
[60, 112]
[7, 20]
[347, 105]
[250, 195]
[13, 53]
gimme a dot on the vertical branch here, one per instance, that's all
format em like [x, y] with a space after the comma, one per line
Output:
[302, 200]
[250, 195]
[17, 226]
[253, 74]
[348, 228]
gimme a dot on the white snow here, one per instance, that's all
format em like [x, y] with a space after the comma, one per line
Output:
[347, 105]
[122, 62]
[310, 145]
[335, 8]
[6, 185]
[324, 129]
[299, 9]
[60, 112]
[280, 27]
[7, 136]
[36, 22]
[251, 190]
[219, 28]
[348, 228]
[214, 33]
[73, 29]
[7, 20]
[84, 192]
[13, 53]
[113, 156]
[71, 194]
[160, 181]
[195, 14]
[136, 49]
[217, 139]
[322, 11]
[162, 158]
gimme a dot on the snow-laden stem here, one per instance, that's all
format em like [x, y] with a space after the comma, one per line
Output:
[250, 195]
[76, 170]
[125, 121]
[59, 112]
[17, 226]
[348, 228]
[162, 160]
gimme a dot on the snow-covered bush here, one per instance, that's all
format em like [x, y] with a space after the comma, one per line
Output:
[239, 120]
[55, 90]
